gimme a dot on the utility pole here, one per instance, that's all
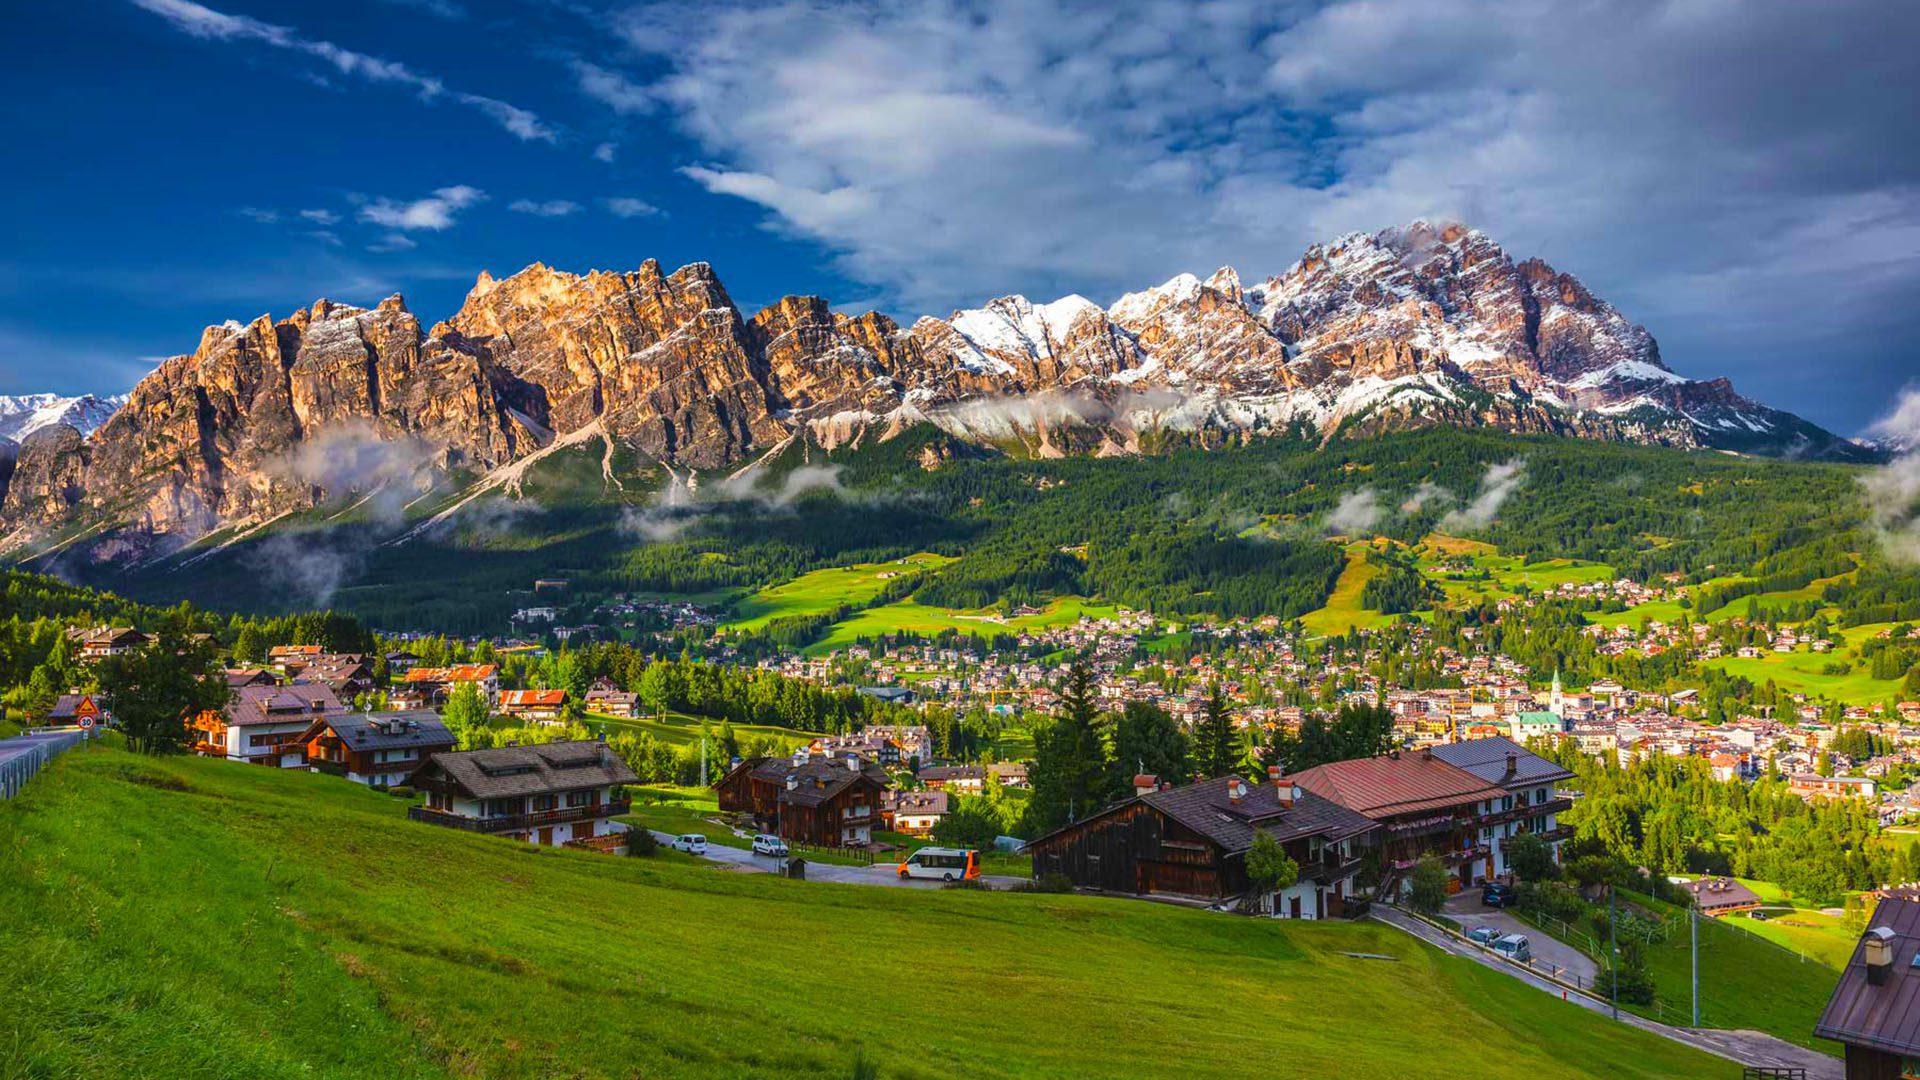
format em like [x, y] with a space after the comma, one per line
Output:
[1613, 951]
[1693, 934]
[703, 759]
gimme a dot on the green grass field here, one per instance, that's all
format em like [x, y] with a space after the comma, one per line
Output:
[1343, 611]
[680, 729]
[1745, 982]
[1802, 671]
[192, 918]
[821, 591]
[910, 617]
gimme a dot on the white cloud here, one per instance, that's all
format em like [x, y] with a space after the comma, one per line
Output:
[321, 217]
[1496, 486]
[1357, 514]
[604, 152]
[393, 242]
[325, 236]
[435, 212]
[203, 22]
[612, 89]
[549, 208]
[1893, 491]
[256, 214]
[947, 153]
[623, 206]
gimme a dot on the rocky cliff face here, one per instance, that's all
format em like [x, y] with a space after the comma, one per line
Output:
[1419, 325]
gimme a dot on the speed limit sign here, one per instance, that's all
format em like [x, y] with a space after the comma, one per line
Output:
[86, 723]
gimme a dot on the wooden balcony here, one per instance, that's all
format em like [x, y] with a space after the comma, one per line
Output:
[565, 815]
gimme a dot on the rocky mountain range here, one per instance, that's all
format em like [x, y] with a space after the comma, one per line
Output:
[1427, 324]
[22, 415]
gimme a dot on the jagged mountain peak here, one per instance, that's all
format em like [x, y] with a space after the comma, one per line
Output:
[1430, 322]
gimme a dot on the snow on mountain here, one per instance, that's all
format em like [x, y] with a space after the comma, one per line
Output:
[23, 414]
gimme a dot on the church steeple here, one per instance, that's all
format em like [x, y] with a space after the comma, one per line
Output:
[1557, 696]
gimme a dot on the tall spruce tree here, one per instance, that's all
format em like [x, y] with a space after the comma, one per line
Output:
[1214, 742]
[1069, 775]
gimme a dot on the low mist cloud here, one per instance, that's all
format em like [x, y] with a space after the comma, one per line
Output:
[1499, 484]
[1358, 514]
[1427, 494]
[310, 565]
[350, 458]
[1893, 490]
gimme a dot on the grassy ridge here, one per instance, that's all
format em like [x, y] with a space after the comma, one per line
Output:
[193, 918]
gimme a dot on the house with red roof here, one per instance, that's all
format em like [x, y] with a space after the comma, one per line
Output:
[1422, 805]
[538, 706]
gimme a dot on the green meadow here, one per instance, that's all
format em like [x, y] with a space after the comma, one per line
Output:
[821, 591]
[192, 918]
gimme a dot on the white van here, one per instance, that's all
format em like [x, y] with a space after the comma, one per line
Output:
[691, 843]
[942, 864]
[769, 844]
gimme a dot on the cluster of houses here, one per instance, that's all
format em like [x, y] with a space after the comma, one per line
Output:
[1463, 803]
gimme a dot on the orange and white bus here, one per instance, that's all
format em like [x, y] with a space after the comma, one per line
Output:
[942, 864]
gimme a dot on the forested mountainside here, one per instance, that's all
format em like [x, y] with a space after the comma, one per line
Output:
[1241, 530]
[1406, 328]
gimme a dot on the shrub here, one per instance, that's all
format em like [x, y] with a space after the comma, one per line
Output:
[1046, 883]
[401, 791]
[1429, 889]
[641, 842]
[980, 884]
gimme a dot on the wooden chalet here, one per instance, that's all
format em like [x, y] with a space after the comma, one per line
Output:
[1422, 804]
[346, 674]
[615, 703]
[827, 802]
[539, 706]
[914, 813]
[422, 688]
[548, 793]
[1721, 896]
[1193, 841]
[376, 749]
[262, 725]
[99, 642]
[1875, 1008]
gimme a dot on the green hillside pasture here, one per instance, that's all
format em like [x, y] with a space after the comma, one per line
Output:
[679, 729]
[910, 617]
[1343, 611]
[821, 591]
[189, 917]
[1801, 670]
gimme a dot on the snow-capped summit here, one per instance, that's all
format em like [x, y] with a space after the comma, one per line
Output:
[23, 414]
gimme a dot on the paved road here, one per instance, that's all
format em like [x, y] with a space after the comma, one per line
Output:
[1744, 1047]
[882, 873]
[1578, 967]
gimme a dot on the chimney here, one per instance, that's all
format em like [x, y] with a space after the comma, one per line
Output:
[1879, 955]
[1513, 764]
[1273, 774]
[793, 782]
[1235, 789]
[853, 762]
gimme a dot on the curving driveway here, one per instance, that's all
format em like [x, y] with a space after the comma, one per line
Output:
[1568, 962]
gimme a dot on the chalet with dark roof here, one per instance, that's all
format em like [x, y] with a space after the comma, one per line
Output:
[1532, 801]
[1721, 895]
[1423, 805]
[99, 642]
[1875, 1008]
[808, 799]
[914, 813]
[549, 793]
[70, 709]
[262, 725]
[1193, 841]
[377, 749]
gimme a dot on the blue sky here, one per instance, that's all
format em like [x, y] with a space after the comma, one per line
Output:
[1740, 178]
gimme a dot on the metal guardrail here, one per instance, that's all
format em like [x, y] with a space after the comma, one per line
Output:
[23, 756]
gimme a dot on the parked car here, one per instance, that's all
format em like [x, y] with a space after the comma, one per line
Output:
[1483, 935]
[768, 844]
[1514, 947]
[1494, 894]
[691, 843]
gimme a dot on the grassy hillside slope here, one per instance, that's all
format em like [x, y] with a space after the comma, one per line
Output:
[192, 918]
